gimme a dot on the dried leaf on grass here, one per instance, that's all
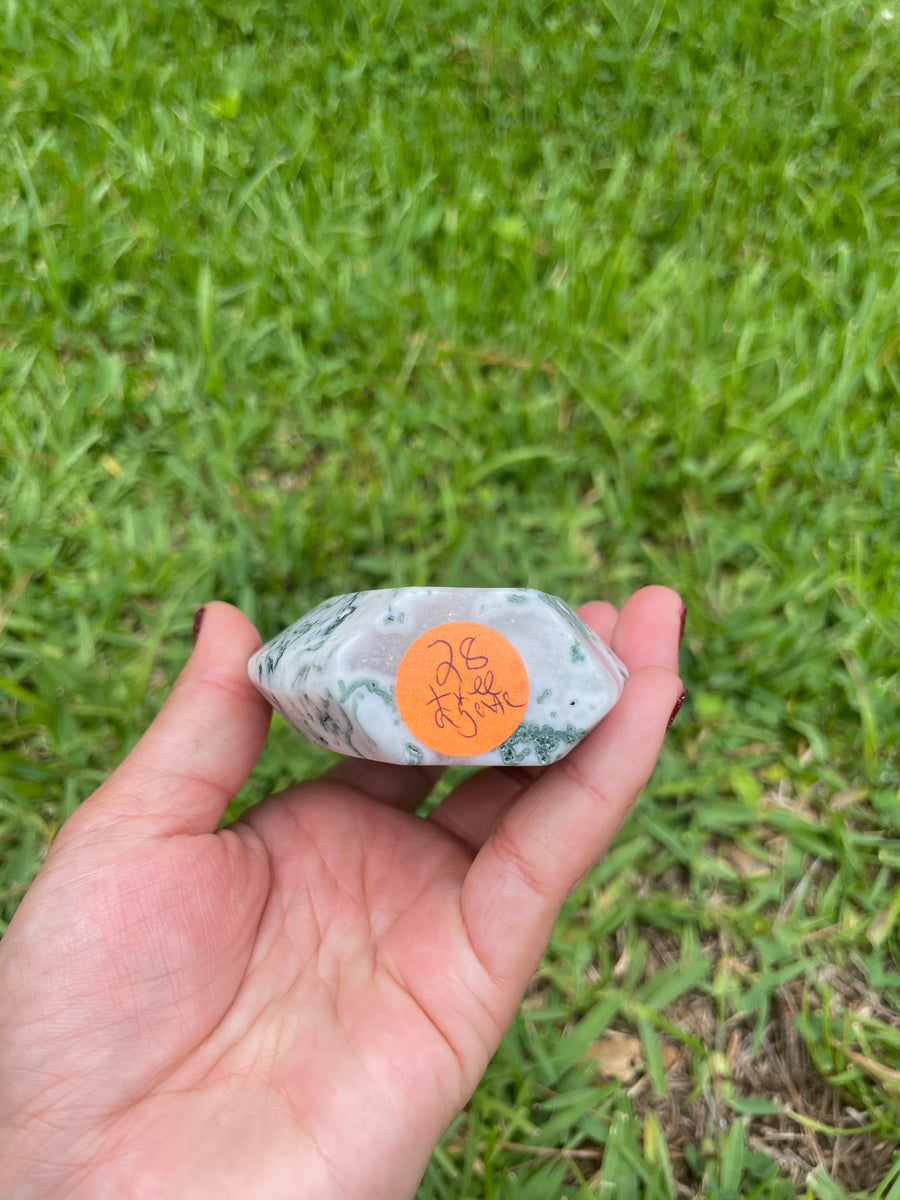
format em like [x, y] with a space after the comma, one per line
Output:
[620, 1056]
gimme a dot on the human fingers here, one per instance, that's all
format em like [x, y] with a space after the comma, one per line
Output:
[202, 745]
[649, 628]
[643, 634]
[559, 827]
[601, 616]
[472, 809]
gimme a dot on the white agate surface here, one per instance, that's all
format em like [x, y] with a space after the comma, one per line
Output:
[332, 674]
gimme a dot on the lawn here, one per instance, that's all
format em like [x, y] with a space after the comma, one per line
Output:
[300, 299]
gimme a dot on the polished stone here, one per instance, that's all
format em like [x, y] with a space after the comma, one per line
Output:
[441, 675]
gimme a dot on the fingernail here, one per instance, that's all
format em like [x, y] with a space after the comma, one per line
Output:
[683, 622]
[198, 621]
[678, 703]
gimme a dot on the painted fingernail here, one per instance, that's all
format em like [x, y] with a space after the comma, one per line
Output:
[683, 622]
[678, 703]
[198, 621]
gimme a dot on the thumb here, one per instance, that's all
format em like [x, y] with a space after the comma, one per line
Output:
[201, 747]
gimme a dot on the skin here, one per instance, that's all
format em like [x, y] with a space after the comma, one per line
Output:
[297, 1005]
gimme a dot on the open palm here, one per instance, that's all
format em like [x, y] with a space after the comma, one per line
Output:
[296, 1005]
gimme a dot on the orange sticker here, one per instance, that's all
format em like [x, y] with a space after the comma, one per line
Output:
[462, 689]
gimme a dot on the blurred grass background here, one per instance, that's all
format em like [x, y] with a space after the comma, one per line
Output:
[298, 299]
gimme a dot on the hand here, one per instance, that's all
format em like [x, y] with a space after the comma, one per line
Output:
[298, 1005]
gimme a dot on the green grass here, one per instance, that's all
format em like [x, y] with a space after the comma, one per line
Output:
[302, 298]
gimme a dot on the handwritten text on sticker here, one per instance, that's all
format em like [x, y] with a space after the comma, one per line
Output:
[462, 688]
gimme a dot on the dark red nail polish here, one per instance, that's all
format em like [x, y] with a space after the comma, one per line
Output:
[678, 703]
[198, 621]
[683, 622]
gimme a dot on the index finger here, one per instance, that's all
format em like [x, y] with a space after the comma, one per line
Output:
[645, 633]
[555, 831]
